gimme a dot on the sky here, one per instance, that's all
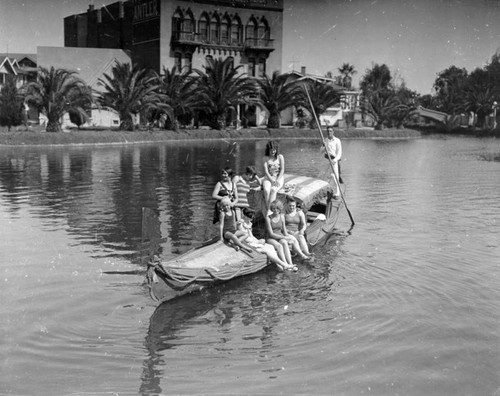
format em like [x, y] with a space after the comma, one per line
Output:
[416, 39]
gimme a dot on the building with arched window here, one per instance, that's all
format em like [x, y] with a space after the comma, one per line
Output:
[182, 33]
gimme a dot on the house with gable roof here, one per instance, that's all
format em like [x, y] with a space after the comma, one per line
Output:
[90, 64]
[348, 108]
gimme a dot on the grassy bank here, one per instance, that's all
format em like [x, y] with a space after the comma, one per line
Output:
[22, 137]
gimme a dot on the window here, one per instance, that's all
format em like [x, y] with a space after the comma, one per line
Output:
[251, 67]
[250, 29]
[208, 60]
[203, 28]
[188, 26]
[177, 60]
[262, 68]
[176, 25]
[263, 32]
[188, 63]
[236, 32]
[214, 30]
[224, 31]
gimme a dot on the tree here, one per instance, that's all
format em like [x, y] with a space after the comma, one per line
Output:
[375, 79]
[450, 86]
[322, 97]
[56, 92]
[225, 89]
[380, 97]
[347, 71]
[130, 91]
[181, 96]
[277, 94]
[11, 104]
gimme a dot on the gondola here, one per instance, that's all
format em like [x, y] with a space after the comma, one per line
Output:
[215, 261]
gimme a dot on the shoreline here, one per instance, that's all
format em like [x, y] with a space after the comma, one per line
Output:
[75, 137]
[27, 138]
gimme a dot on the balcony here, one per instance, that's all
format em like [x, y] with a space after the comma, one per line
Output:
[195, 39]
[259, 44]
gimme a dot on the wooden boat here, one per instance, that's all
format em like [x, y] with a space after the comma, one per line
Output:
[216, 262]
[204, 266]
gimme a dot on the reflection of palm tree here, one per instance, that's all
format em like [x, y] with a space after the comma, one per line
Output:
[347, 71]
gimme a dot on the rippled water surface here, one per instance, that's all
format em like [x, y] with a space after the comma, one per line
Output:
[408, 304]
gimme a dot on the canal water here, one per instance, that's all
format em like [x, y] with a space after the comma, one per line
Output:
[407, 304]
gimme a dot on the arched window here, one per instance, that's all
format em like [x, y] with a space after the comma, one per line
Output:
[263, 32]
[177, 24]
[188, 25]
[251, 29]
[214, 29]
[203, 28]
[224, 30]
[236, 31]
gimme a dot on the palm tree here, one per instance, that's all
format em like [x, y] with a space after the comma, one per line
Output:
[480, 101]
[384, 106]
[347, 71]
[277, 94]
[322, 97]
[225, 89]
[182, 96]
[57, 92]
[130, 91]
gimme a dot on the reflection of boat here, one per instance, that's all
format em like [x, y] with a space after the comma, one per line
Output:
[216, 262]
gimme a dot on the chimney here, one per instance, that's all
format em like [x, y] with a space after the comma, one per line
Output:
[91, 8]
[303, 70]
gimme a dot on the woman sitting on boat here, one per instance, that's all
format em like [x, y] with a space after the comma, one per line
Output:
[227, 228]
[245, 183]
[275, 255]
[278, 235]
[224, 188]
[274, 168]
[295, 222]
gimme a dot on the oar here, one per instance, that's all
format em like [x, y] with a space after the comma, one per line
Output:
[329, 159]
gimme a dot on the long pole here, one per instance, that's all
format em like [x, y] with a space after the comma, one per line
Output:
[326, 150]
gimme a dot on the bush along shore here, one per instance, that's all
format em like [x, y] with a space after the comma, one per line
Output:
[33, 137]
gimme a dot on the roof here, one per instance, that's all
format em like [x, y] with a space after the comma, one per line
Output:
[90, 63]
[19, 56]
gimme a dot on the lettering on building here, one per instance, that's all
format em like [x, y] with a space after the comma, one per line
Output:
[146, 9]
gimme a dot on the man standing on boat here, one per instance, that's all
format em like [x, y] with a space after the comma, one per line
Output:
[333, 153]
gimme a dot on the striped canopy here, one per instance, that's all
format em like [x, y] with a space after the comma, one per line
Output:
[306, 190]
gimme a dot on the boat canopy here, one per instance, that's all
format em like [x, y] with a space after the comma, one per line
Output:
[306, 190]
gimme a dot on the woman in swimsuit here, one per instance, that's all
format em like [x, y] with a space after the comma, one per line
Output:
[274, 168]
[228, 230]
[224, 188]
[296, 224]
[277, 234]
